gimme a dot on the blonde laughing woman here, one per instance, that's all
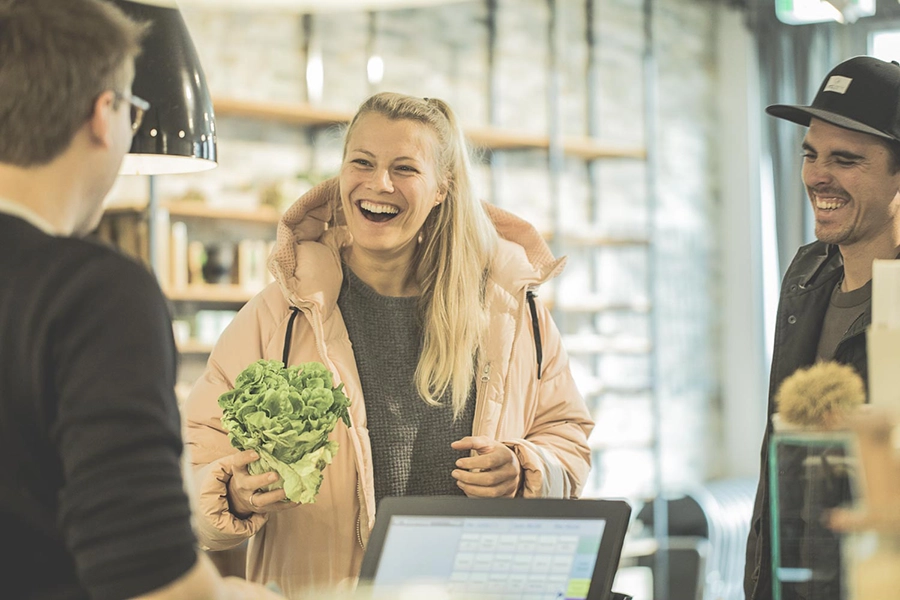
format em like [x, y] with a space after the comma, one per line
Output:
[421, 300]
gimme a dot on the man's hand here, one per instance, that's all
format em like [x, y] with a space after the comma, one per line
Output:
[493, 473]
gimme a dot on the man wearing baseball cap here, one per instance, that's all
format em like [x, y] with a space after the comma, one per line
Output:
[851, 170]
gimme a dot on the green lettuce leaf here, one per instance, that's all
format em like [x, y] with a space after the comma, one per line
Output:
[286, 415]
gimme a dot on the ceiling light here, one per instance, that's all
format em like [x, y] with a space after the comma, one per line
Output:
[801, 12]
[178, 133]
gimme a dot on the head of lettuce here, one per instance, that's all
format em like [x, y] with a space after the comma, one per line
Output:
[286, 414]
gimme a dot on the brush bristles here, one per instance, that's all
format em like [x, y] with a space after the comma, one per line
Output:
[816, 396]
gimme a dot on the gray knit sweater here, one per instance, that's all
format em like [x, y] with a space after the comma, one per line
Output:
[411, 453]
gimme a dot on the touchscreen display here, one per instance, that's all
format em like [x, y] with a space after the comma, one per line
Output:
[486, 557]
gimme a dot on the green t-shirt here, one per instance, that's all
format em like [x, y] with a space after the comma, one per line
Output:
[843, 309]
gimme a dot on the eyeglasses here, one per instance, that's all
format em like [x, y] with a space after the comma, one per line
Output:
[138, 107]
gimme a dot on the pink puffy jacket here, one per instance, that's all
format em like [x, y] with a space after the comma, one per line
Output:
[320, 545]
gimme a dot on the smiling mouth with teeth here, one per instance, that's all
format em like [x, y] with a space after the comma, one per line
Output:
[829, 203]
[827, 200]
[376, 212]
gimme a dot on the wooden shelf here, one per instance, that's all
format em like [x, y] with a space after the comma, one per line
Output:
[121, 209]
[586, 148]
[590, 305]
[573, 238]
[224, 294]
[590, 149]
[492, 138]
[202, 210]
[587, 238]
[194, 347]
[282, 112]
[602, 390]
[593, 387]
[606, 445]
[598, 344]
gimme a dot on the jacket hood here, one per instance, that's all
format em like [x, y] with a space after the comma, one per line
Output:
[305, 244]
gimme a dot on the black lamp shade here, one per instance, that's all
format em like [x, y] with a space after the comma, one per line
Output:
[178, 133]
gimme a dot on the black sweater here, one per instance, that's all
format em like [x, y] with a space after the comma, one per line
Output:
[92, 503]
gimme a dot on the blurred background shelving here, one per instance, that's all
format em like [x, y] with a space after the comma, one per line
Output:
[531, 158]
[559, 101]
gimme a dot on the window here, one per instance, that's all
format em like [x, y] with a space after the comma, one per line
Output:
[885, 44]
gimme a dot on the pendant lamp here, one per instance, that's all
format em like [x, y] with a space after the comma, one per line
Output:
[802, 12]
[178, 132]
[316, 6]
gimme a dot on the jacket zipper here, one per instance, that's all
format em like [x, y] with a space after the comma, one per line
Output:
[479, 398]
[359, 519]
[530, 295]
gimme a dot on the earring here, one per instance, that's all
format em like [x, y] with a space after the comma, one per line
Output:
[421, 237]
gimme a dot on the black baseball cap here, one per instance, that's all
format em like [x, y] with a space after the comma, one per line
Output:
[862, 94]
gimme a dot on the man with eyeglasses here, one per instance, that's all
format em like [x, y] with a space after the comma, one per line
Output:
[92, 500]
[138, 107]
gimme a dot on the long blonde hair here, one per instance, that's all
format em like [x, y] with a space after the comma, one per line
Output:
[452, 263]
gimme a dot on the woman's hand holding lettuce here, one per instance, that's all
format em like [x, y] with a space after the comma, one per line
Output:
[285, 415]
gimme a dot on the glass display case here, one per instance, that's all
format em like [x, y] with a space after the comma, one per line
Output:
[810, 473]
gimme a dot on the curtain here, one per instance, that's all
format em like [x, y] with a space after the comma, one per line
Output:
[793, 60]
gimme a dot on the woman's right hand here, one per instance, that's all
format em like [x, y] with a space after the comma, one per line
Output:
[244, 490]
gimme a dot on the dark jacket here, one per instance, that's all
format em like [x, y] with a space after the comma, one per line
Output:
[805, 293]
